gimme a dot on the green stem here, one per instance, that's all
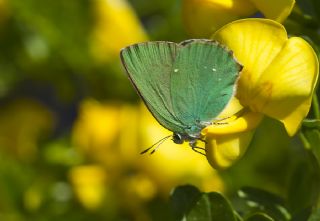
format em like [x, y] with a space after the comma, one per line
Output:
[315, 106]
[304, 140]
[238, 216]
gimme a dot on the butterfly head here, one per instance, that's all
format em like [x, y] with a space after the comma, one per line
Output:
[180, 138]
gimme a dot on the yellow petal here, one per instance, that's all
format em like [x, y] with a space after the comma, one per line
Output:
[255, 43]
[284, 91]
[231, 109]
[274, 9]
[235, 124]
[227, 141]
[223, 151]
[203, 17]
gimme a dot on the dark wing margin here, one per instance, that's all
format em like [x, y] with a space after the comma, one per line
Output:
[203, 79]
[149, 66]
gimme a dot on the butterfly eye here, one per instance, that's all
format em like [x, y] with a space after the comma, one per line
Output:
[177, 138]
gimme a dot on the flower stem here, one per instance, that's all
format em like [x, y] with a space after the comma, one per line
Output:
[315, 106]
[304, 140]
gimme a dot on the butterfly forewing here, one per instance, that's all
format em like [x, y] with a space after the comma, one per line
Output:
[149, 66]
[202, 82]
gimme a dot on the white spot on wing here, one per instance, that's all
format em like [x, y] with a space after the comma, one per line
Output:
[176, 70]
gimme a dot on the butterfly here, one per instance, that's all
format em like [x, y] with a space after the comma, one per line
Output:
[185, 86]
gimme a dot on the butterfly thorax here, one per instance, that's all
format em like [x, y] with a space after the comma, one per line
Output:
[194, 130]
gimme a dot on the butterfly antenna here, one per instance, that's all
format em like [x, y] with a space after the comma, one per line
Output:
[161, 142]
[158, 143]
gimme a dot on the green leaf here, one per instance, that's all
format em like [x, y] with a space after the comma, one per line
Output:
[260, 196]
[211, 206]
[315, 216]
[304, 185]
[259, 217]
[302, 215]
[264, 201]
[183, 199]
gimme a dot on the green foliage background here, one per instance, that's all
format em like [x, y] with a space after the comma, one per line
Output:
[46, 70]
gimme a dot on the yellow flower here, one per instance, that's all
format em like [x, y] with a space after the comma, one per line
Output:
[89, 185]
[102, 126]
[116, 25]
[203, 17]
[278, 81]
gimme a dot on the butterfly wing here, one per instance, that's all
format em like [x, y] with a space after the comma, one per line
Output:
[149, 66]
[202, 83]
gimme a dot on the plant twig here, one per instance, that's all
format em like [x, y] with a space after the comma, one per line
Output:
[315, 106]
[304, 140]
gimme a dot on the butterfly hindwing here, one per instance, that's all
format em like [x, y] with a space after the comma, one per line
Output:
[202, 82]
[149, 68]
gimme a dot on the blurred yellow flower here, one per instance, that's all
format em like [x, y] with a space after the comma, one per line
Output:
[96, 126]
[203, 17]
[116, 26]
[112, 136]
[278, 80]
[22, 123]
[141, 186]
[89, 185]
[104, 131]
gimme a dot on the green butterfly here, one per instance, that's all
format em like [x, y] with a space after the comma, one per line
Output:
[185, 86]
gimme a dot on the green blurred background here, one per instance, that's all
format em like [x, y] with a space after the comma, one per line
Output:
[72, 127]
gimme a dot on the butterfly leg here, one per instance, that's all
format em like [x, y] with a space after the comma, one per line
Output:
[204, 141]
[220, 123]
[197, 149]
